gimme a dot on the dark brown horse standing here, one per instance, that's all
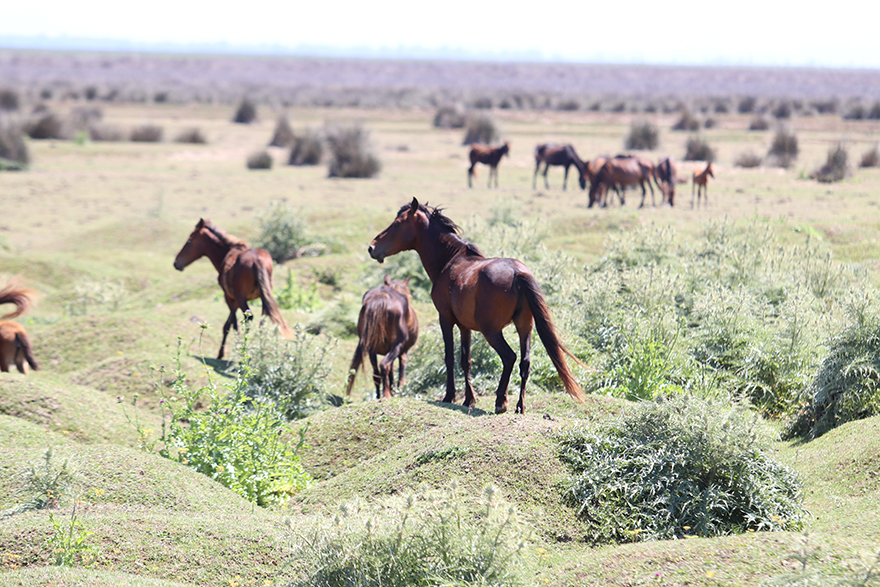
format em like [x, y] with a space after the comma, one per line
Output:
[622, 171]
[243, 273]
[476, 293]
[559, 155]
[387, 325]
[15, 346]
[490, 156]
[666, 177]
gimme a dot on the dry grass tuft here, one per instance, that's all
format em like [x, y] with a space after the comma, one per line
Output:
[147, 133]
[784, 148]
[836, 167]
[481, 129]
[871, 158]
[687, 122]
[748, 160]
[643, 135]
[246, 112]
[697, 149]
[13, 150]
[351, 154]
[450, 117]
[306, 149]
[283, 134]
[259, 160]
[192, 135]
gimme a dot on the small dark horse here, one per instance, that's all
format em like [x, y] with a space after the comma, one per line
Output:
[476, 293]
[387, 325]
[243, 273]
[666, 177]
[488, 155]
[15, 346]
[560, 155]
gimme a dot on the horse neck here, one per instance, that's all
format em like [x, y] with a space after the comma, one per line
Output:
[437, 248]
[578, 162]
[215, 250]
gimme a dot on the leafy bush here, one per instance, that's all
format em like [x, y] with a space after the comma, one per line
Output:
[291, 296]
[870, 158]
[306, 149]
[290, 373]
[259, 160]
[481, 129]
[422, 539]
[241, 442]
[675, 467]
[192, 135]
[784, 148]
[147, 133]
[351, 153]
[282, 232]
[450, 117]
[687, 122]
[337, 319]
[697, 149]
[246, 112]
[42, 486]
[748, 159]
[836, 166]
[759, 123]
[643, 135]
[13, 150]
[282, 136]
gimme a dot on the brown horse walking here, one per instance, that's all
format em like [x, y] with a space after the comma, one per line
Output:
[15, 346]
[701, 185]
[243, 273]
[622, 171]
[387, 325]
[559, 155]
[476, 293]
[666, 177]
[488, 155]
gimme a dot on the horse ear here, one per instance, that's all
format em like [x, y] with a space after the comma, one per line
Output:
[406, 281]
[201, 224]
[387, 280]
[414, 207]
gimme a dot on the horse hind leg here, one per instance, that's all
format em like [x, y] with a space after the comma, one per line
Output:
[378, 375]
[231, 321]
[525, 362]
[508, 358]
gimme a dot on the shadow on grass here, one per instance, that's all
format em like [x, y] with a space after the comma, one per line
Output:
[475, 412]
[221, 367]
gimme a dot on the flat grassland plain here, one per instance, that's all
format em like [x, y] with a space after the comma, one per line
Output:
[87, 214]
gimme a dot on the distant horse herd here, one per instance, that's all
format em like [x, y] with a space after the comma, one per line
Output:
[603, 173]
[469, 290]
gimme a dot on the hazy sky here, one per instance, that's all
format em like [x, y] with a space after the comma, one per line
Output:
[747, 32]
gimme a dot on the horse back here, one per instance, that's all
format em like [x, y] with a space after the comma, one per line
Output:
[479, 293]
[237, 277]
[385, 317]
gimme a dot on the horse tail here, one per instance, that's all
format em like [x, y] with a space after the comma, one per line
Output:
[21, 297]
[547, 333]
[23, 345]
[357, 362]
[270, 306]
[376, 318]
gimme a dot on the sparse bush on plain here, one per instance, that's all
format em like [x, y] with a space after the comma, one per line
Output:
[749, 159]
[418, 539]
[9, 100]
[871, 158]
[147, 133]
[450, 117]
[698, 149]
[855, 111]
[106, 132]
[351, 153]
[14, 154]
[747, 105]
[836, 166]
[782, 109]
[46, 125]
[874, 112]
[307, 148]
[829, 106]
[687, 122]
[259, 160]
[759, 123]
[643, 136]
[193, 135]
[784, 148]
[676, 467]
[246, 112]
[282, 136]
[282, 232]
[481, 129]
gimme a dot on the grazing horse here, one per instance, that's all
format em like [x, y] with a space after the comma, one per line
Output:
[666, 176]
[387, 325]
[476, 293]
[15, 346]
[243, 273]
[488, 155]
[623, 171]
[561, 155]
[701, 185]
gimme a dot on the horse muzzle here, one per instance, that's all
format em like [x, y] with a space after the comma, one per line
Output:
[376, 254]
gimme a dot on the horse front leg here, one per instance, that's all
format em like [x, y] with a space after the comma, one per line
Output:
[565, 179]
[508, 359]
[535, 176]
[401, 373]
[231, 321]
[546, 169]
[469, 399]
[449, 358]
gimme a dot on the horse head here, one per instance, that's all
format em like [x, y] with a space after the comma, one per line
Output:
[709, 170]
[193, 248]
[505, 150]
[401, 233]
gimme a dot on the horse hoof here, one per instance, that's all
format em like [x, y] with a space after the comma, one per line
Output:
[501, 409]
[520, 409]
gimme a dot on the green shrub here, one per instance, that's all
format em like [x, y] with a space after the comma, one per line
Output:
[291, 296]
[678, 467]
[421, 539]
[697, 149]
[259, 160]
[290, 373]
[836, 166]
[643, 136]
[147, 133]
[241, 442]
[351, 154]
[246, 112]
[306, 149]
[337, 319]
[282, 232]
[481, 129]
[784, 148]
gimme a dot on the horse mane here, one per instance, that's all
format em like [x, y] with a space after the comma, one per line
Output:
[446, 224]
[226, 238]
